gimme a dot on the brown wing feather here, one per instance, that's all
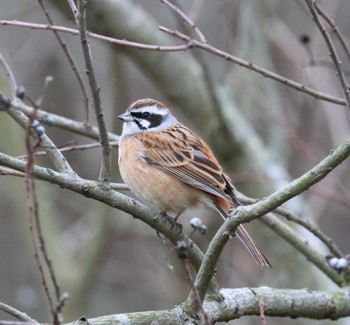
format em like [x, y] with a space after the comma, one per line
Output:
[184, 155]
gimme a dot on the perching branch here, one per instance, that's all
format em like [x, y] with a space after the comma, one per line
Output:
[114, 199]
[248, 213]
[237, 303]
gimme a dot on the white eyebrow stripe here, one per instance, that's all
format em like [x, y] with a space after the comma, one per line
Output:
[152, 110]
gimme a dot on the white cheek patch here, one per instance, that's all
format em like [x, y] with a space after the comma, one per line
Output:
[143, 124]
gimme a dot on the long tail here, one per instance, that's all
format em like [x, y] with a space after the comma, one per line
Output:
[248, 242]
[245, 238]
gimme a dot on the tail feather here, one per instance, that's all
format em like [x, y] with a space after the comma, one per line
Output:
[248, 242]
[243, 235]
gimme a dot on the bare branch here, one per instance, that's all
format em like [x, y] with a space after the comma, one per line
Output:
[112, 198]
[314, 229]
[9, 74]
[266, 73]
[71, 61]
[335, 29]
[10, 172]
[193, 43]
[74, 9]
[186, 19]
[105, 171]
[54, 155]
[61, 122]
[248, 213]
[333, 53]
[237, 303]
[16, 313]
[111, 40]
[35, 226]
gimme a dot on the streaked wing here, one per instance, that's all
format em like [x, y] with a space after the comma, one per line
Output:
[184, 155]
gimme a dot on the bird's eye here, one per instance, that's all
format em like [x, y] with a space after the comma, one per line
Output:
[145, 115]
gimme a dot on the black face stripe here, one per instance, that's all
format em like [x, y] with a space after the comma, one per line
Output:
[153, 119]
[140, 115]
[138, 123]
[156, 120]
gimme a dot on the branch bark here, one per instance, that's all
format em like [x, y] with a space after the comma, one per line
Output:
[237, 303]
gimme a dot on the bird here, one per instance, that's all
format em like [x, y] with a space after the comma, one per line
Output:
[171, 169]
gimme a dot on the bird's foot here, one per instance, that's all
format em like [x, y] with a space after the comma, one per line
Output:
[173, 223]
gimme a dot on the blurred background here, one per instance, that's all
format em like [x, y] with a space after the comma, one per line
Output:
[264, 133]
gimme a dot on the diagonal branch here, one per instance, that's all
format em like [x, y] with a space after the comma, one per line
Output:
[64, 123]
[114, 199]
[71, 61]
[16, 313]
[206, 47]
[333, 53]
[311, 227]
[248, 213]
[335, 29]
[264, 72]
[56, 157]
[186, 19]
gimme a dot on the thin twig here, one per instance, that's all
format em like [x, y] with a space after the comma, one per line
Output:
[74, 9]
[34, 220]
[71, 148]
[10, 172]
[14, 322]
[266, 73]
[120, 186]
[56, 157]
[9, 74]
[301, 244]
[248, 213]
[314, 229]
[335, 29]
[60, 122]
[333, 53]
[208, 80]
[105, 171]
[193, 43]
[115, 41]
[16, 313]
[186, 19]
[198, 300]
[71, 61]
[114, 199]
